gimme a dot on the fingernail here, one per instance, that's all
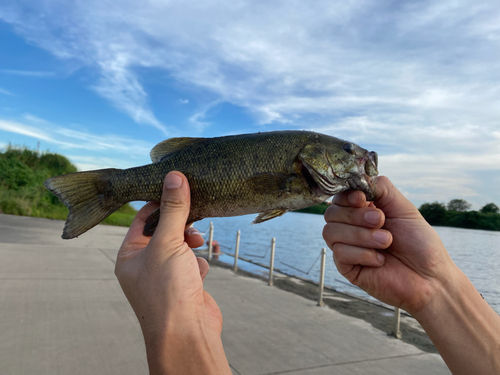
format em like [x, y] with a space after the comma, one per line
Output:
[192, 231]
[173, 181]
[372, 217]
[381, 236]
[380, 257]
[353, 198]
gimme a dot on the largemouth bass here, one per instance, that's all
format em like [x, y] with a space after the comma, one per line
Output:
[267, 173]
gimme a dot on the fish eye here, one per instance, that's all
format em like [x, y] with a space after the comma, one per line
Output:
[348, 147]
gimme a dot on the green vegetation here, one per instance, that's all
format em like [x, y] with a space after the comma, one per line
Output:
[316, 209]
[22, 173]
[456, 214]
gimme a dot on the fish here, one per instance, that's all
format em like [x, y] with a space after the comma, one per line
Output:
[265, 173]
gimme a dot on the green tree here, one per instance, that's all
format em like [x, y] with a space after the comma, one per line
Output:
[434, 213]
[459, 205]
[490, 208]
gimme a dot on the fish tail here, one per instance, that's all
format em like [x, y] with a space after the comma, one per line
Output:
[88, 196]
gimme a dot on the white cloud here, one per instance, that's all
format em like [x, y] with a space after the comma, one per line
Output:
[283, 59]
[414, 80]
[28, 73]
[66, 138]
[6, 92]
[122, 87]
[87, 163]
[197, 120]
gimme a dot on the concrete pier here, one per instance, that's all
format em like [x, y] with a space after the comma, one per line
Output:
[63, 312]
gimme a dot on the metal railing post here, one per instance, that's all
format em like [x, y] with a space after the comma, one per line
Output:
[236, 251]
[271, 262]
[397, 319]
[322, 276]
[210, 240]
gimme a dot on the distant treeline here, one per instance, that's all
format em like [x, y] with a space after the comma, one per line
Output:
[316, 209]
[22, 173]
[456, 214]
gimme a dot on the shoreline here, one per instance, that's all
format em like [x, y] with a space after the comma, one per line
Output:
[378, 315]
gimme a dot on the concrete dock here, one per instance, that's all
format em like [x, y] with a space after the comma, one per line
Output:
[62, 312]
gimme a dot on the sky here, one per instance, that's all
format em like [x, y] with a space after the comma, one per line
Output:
[102, 82]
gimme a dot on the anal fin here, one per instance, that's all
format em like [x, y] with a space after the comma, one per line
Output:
[268, 215]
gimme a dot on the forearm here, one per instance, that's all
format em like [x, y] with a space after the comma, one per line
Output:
[184, 350]
[463, 327]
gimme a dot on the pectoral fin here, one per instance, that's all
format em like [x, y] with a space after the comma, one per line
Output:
[268, 215]
[151, 223]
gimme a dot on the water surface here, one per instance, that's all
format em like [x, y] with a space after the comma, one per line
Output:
[299, 241]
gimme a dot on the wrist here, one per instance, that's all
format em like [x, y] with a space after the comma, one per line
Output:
[446, 289]
[184, 346]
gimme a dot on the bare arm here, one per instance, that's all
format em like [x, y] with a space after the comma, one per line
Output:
[163, 281]
[390, 251]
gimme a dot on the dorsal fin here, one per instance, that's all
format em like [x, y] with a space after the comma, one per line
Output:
[170, 145]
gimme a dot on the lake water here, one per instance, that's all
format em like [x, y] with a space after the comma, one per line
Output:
[299, 241]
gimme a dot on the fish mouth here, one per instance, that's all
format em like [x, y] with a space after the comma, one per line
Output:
[366, 178]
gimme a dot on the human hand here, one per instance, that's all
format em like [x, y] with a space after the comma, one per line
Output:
[387, 248]
[163, 281]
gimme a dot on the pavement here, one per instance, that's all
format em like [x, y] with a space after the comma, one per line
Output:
[62, 312]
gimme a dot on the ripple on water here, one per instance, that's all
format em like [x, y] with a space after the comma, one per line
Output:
[299, 241]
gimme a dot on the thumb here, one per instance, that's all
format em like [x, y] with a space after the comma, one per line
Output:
[392, 201]
[174, 209]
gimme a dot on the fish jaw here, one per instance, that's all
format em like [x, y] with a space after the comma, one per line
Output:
[365, 178]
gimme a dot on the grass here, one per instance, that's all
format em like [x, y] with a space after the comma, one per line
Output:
[22, 173]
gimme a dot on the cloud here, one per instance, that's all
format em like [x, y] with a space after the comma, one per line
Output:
[122, 87]
[280, 60]
[87, 163]
[28, 73]
[197, 119]
[70, 139]
[419, 79]
[6, 92]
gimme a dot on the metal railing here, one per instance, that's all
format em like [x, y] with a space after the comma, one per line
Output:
[396, 332]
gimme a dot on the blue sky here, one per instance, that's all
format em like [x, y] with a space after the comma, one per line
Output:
[417, 81]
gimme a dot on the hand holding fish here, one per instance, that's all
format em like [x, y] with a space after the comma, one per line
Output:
[388, 249]
[163, 281]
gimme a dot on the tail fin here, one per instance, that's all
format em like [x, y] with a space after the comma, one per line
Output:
[89, 197]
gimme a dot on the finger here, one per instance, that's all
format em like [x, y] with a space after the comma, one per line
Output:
[134, 237]
[356, 236]
[346, 256]
[174, 210]
[369, 217]
[204, 267]
[350, 198]
[350, 260]
[193, 238]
